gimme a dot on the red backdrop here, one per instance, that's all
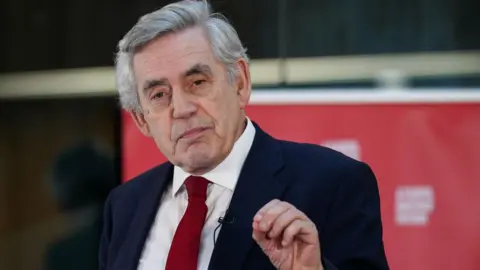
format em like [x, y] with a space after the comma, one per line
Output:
[426, 158]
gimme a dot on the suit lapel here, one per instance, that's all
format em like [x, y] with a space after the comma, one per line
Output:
[260, 181]
[146, 209]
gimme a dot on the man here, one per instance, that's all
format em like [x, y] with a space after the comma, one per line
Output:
[82, 177]
[230, 197]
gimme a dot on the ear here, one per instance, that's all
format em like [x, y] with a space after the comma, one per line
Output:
[142, 125]
[243, 83]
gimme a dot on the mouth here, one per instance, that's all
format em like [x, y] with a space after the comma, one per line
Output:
[192, 133]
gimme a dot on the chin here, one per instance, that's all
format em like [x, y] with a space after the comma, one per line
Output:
[195, 160]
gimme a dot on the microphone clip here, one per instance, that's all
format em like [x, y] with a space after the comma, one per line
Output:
[225, 220]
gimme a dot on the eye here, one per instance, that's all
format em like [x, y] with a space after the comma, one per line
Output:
[158, 95]
[198, 82]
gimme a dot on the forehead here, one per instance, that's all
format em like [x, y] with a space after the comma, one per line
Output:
[172, 54]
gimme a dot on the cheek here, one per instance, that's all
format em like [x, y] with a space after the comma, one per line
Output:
[160, 130]
[164, 143]
[221, 109]
[222, 120]
[229, 111]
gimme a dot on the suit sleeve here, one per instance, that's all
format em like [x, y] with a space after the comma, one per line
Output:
[351, 237]
[105, 236]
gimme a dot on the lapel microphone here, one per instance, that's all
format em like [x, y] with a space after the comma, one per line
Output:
[226, 219]
[223, 220]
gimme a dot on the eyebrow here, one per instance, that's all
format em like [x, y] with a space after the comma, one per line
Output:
[198, 69]
[195, 69]
[149, 84]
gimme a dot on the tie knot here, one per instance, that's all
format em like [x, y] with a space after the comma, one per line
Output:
[196, 187]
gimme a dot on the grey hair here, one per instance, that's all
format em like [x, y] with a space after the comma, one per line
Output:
[225, 43]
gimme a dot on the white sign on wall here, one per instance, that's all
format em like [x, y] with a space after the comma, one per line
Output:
[414, 205]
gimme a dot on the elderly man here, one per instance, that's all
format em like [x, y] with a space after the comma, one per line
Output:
[230, 196]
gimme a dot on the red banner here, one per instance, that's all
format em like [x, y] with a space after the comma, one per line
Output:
[426, 158]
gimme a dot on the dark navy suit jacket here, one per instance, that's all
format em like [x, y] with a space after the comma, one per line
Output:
[339, 194]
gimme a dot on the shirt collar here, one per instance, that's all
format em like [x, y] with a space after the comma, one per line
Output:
[226, 173]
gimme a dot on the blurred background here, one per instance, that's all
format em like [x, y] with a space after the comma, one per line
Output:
[359, 72]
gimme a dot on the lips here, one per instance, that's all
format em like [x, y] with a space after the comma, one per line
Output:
[191, 133]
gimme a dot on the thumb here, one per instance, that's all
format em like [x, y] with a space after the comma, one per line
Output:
[258, 235]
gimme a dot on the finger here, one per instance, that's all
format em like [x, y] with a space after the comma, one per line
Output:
[259, 215]
[272, 214]
[298, 228]
[258, 235]
[284, 220]
[264, 242]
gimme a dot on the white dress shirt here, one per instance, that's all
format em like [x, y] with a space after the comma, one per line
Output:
[174, 203]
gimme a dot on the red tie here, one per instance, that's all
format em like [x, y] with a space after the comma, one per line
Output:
[183, 254]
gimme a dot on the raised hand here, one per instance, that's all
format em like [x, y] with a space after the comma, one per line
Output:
[287, 237]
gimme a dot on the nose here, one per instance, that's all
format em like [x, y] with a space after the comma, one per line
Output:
[183, 107]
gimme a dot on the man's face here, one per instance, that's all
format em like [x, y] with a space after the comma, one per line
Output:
[189, 107]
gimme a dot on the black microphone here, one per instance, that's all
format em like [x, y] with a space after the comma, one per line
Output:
[226, 219]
